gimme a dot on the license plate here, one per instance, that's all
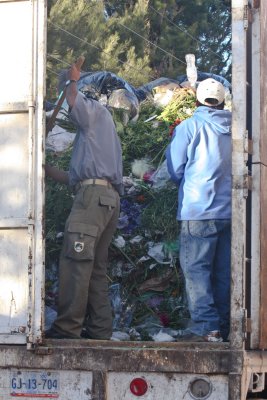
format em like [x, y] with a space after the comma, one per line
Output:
[34, 384]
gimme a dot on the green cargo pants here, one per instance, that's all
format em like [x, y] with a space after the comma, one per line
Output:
[83, 286]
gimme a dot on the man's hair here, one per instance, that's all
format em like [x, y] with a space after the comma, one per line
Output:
[218, 107]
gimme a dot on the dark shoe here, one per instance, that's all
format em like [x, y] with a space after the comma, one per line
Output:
[54, 334]
[212, 336]
[86, 335]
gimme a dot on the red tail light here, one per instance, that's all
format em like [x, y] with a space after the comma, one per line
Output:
[138, 386]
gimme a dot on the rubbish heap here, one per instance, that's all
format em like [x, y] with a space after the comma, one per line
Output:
[146, 285]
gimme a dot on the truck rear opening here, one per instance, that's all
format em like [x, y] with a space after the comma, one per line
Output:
[65, 369]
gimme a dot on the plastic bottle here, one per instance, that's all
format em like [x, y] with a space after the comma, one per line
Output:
[191, 70]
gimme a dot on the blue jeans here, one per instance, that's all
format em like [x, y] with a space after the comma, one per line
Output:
[205, 258]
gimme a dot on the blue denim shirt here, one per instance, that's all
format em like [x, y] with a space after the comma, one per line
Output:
[199, 161]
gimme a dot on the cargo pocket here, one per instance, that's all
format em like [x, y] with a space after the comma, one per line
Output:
[108, 202]
[81, 241]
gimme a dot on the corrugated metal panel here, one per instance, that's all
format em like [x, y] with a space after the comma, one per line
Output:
[22, 29]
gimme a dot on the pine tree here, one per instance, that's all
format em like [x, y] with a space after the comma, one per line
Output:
[139, 40]
[74, 28]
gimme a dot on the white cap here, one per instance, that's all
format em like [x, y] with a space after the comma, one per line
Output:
[210, 92]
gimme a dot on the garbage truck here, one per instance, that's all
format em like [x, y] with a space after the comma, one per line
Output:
[34, 367]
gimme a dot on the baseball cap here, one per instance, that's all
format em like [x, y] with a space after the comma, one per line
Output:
[210, 92]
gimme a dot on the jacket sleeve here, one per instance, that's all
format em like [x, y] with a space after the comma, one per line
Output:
[176, 152]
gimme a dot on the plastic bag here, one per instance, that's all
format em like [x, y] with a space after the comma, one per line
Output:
[161, 176]
[119, 93]
[123, 313]
[59, 139]
[125, 100]
[116, 304]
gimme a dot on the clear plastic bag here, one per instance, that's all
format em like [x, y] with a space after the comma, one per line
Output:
[116, 304]
[161, 176]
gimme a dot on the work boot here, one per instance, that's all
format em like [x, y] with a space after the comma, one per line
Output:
[54, 334]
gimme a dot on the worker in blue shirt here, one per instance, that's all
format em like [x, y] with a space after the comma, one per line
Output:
[199, 161]
[95, 176]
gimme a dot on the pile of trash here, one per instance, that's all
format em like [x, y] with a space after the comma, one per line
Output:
[146, 285]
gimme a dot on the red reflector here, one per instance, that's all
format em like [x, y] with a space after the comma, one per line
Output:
[138, 386]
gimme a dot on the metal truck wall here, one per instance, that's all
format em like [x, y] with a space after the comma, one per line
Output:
[107, 370]
[70, 385]
[239, 172]
[21, 119]
[259, 174]
[263, 175]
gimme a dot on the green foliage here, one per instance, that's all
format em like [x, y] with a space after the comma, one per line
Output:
[181, 106]
[144, 139]
[138, 40]
[140, 65]
[74, 28]
[57, 206]
[209, 21]
[160, 214]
